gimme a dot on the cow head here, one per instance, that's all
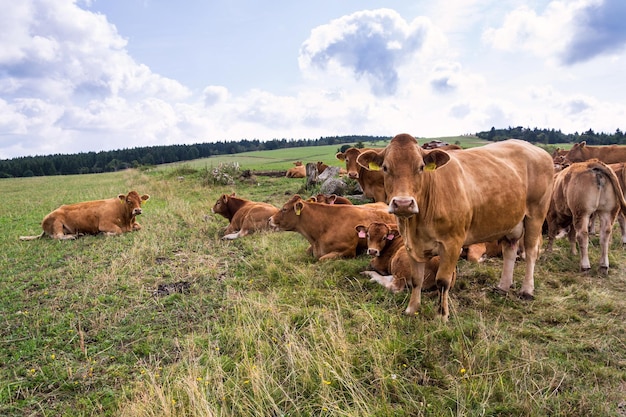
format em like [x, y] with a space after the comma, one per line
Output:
[133, 202]
[377, 235]
[578, 153]
[221, 205]
[288, 217]
[405, 166]
[350, 158]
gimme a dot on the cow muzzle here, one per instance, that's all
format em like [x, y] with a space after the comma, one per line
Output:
[373, 252]
[403, 206]
[137, 211]
[353, 175]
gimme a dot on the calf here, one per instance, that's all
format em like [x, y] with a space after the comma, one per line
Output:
[329, 228]
[244, 216]
[390, 264]
[112, 216]
[581, 190]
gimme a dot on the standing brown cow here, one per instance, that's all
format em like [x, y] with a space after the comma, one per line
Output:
[443, 200]
[581, 190]
[608, 154]
[112, 216]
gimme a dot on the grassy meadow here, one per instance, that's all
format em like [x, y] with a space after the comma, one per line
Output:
[259, 328]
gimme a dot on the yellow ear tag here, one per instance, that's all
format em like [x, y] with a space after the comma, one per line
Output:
[298, 211]
[430, 167]
[374, 166]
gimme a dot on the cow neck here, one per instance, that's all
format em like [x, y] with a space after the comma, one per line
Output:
[234, 204]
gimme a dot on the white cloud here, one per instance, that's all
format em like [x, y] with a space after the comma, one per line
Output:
[566, 32]
[371, 44]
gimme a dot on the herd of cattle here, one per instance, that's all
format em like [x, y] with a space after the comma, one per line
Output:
[430, 205]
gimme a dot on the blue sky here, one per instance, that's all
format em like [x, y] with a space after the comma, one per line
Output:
[91, 75]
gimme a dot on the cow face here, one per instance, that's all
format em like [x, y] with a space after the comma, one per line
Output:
[404, 165]
[350, 158]
[221, 206]
[288, 216]
[378, 235]
[133, 202]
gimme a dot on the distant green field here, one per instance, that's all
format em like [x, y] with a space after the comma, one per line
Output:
[282, 159]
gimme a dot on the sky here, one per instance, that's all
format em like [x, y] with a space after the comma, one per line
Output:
[94, 75]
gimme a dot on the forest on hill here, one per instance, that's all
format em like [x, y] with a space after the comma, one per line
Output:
[109, 161]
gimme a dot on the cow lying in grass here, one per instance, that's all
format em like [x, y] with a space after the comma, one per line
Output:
[112, 216]
[329, 228]
[244, 216]
[390, 264]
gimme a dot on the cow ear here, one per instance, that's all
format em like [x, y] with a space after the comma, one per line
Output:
[332, 198]
[370, 160]
[145, 197]
[341, 156]
[435, 159]
[298, 207]
[393, 233]
[121, 197]
[361, 231]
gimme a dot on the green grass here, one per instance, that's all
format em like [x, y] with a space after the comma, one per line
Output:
[265, 330]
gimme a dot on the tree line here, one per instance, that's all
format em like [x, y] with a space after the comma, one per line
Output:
[552, 136]
[109, 161]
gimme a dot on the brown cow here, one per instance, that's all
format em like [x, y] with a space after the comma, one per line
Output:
[611, 154]
[390, 264]
[244, 216]
[620, 171]
[329, 228]
[112, 216]
[298, 171]
[580, 190]
[371, 182]
[329, 199]
[321, 167]
[446, 199]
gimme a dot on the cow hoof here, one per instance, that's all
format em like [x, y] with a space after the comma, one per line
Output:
[525, 296]
[604, 270]
[499, 291]
[585, 270]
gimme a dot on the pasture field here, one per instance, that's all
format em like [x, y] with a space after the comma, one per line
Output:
[282, 159]
[173, 321]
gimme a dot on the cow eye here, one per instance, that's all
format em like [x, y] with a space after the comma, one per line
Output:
[384, 167]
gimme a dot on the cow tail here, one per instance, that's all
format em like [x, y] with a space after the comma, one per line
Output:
[608, 172]
[33, 237]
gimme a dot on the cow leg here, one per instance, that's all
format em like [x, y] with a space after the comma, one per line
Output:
[384, 280]
[444, 279]
[606, 224]
[417, 278]
[232, 236]
[58, 231]
[509, 255]
[621, 219]
[581, 226]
